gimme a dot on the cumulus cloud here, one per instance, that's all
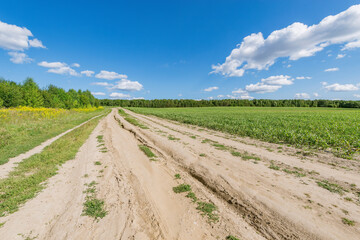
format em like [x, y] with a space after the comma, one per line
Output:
[98, 93]
[87, 73]
[331, 69]
[277, 80]
[75, 65]
[357, 95]
[339, 56]
[294, 42]
[270, 84]
[302, 78]
[220, 96]
[103, 84]
[110, 75]
[16, 38]
[262, 88]
[240, 94]
[19, 58]
[209, 89]
[302, 96]
[315, 94]
[127, 85]
[58, 68]
[116, 95]
[336, 87]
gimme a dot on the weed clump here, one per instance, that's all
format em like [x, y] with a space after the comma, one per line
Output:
[182, 188]
[208, 209]
[177, 176]
[348, 222]
[332, 187]
[147, 151]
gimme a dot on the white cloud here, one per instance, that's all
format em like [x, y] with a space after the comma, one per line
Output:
[339, 56]
[87, 73]
[324, 83]
[64, 70]
[295, 41]
[137, 98]
[16, 38]
[277, 80]
[52, 64]
[341, 87]
[98, 93]
[58, 68]
[240, 94]
[110, 75]
[36, 43]
[357, 95]
[315, 94]
[262, 88]
[302, 78]
[220, 96]
[331, 70]
[127, 85]
[116, 95]
[180, 95]
[352, 45]
[75, 65]
[104, 84]
[209, 89]
[19, 58]
[210, 98]
[302, 96]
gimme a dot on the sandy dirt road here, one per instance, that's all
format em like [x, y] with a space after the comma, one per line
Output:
[253, 201]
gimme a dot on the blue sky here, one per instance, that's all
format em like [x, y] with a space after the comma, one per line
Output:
[185, 49]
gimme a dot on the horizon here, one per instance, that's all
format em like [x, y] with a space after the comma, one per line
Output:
[189, 50]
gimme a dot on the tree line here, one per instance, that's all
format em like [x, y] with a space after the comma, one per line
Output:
[29, 94]
[167, 103]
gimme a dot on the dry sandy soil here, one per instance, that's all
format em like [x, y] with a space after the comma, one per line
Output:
[253, 201]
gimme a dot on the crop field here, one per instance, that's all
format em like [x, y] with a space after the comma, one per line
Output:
[23, 128]
[337, 130]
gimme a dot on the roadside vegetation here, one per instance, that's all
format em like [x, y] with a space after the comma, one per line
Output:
[335, 130]
[23, 128]
[28, 178]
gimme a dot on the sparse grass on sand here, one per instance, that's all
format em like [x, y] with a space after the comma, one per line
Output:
[132, 120]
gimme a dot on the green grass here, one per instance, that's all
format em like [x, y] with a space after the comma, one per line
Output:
[147, 151]
[28, 178]
[177, 176]
[182, 188]
[274, 167]
[192, 196]
[231, 238]
[332, 187]
[19, 134]
[132, 120]
[93, 207]
[318, 128]
[348, 222]
[208, 209]
[97, 163]
[173, 138]
[202, 155]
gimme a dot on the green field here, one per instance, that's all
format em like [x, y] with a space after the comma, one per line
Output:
[22, 129]
[337, 130]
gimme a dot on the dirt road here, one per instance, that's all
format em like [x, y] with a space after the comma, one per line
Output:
[253, 201]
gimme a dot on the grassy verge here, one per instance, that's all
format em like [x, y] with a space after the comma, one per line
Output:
[24, 129]
[29, 176]
[132, 120]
